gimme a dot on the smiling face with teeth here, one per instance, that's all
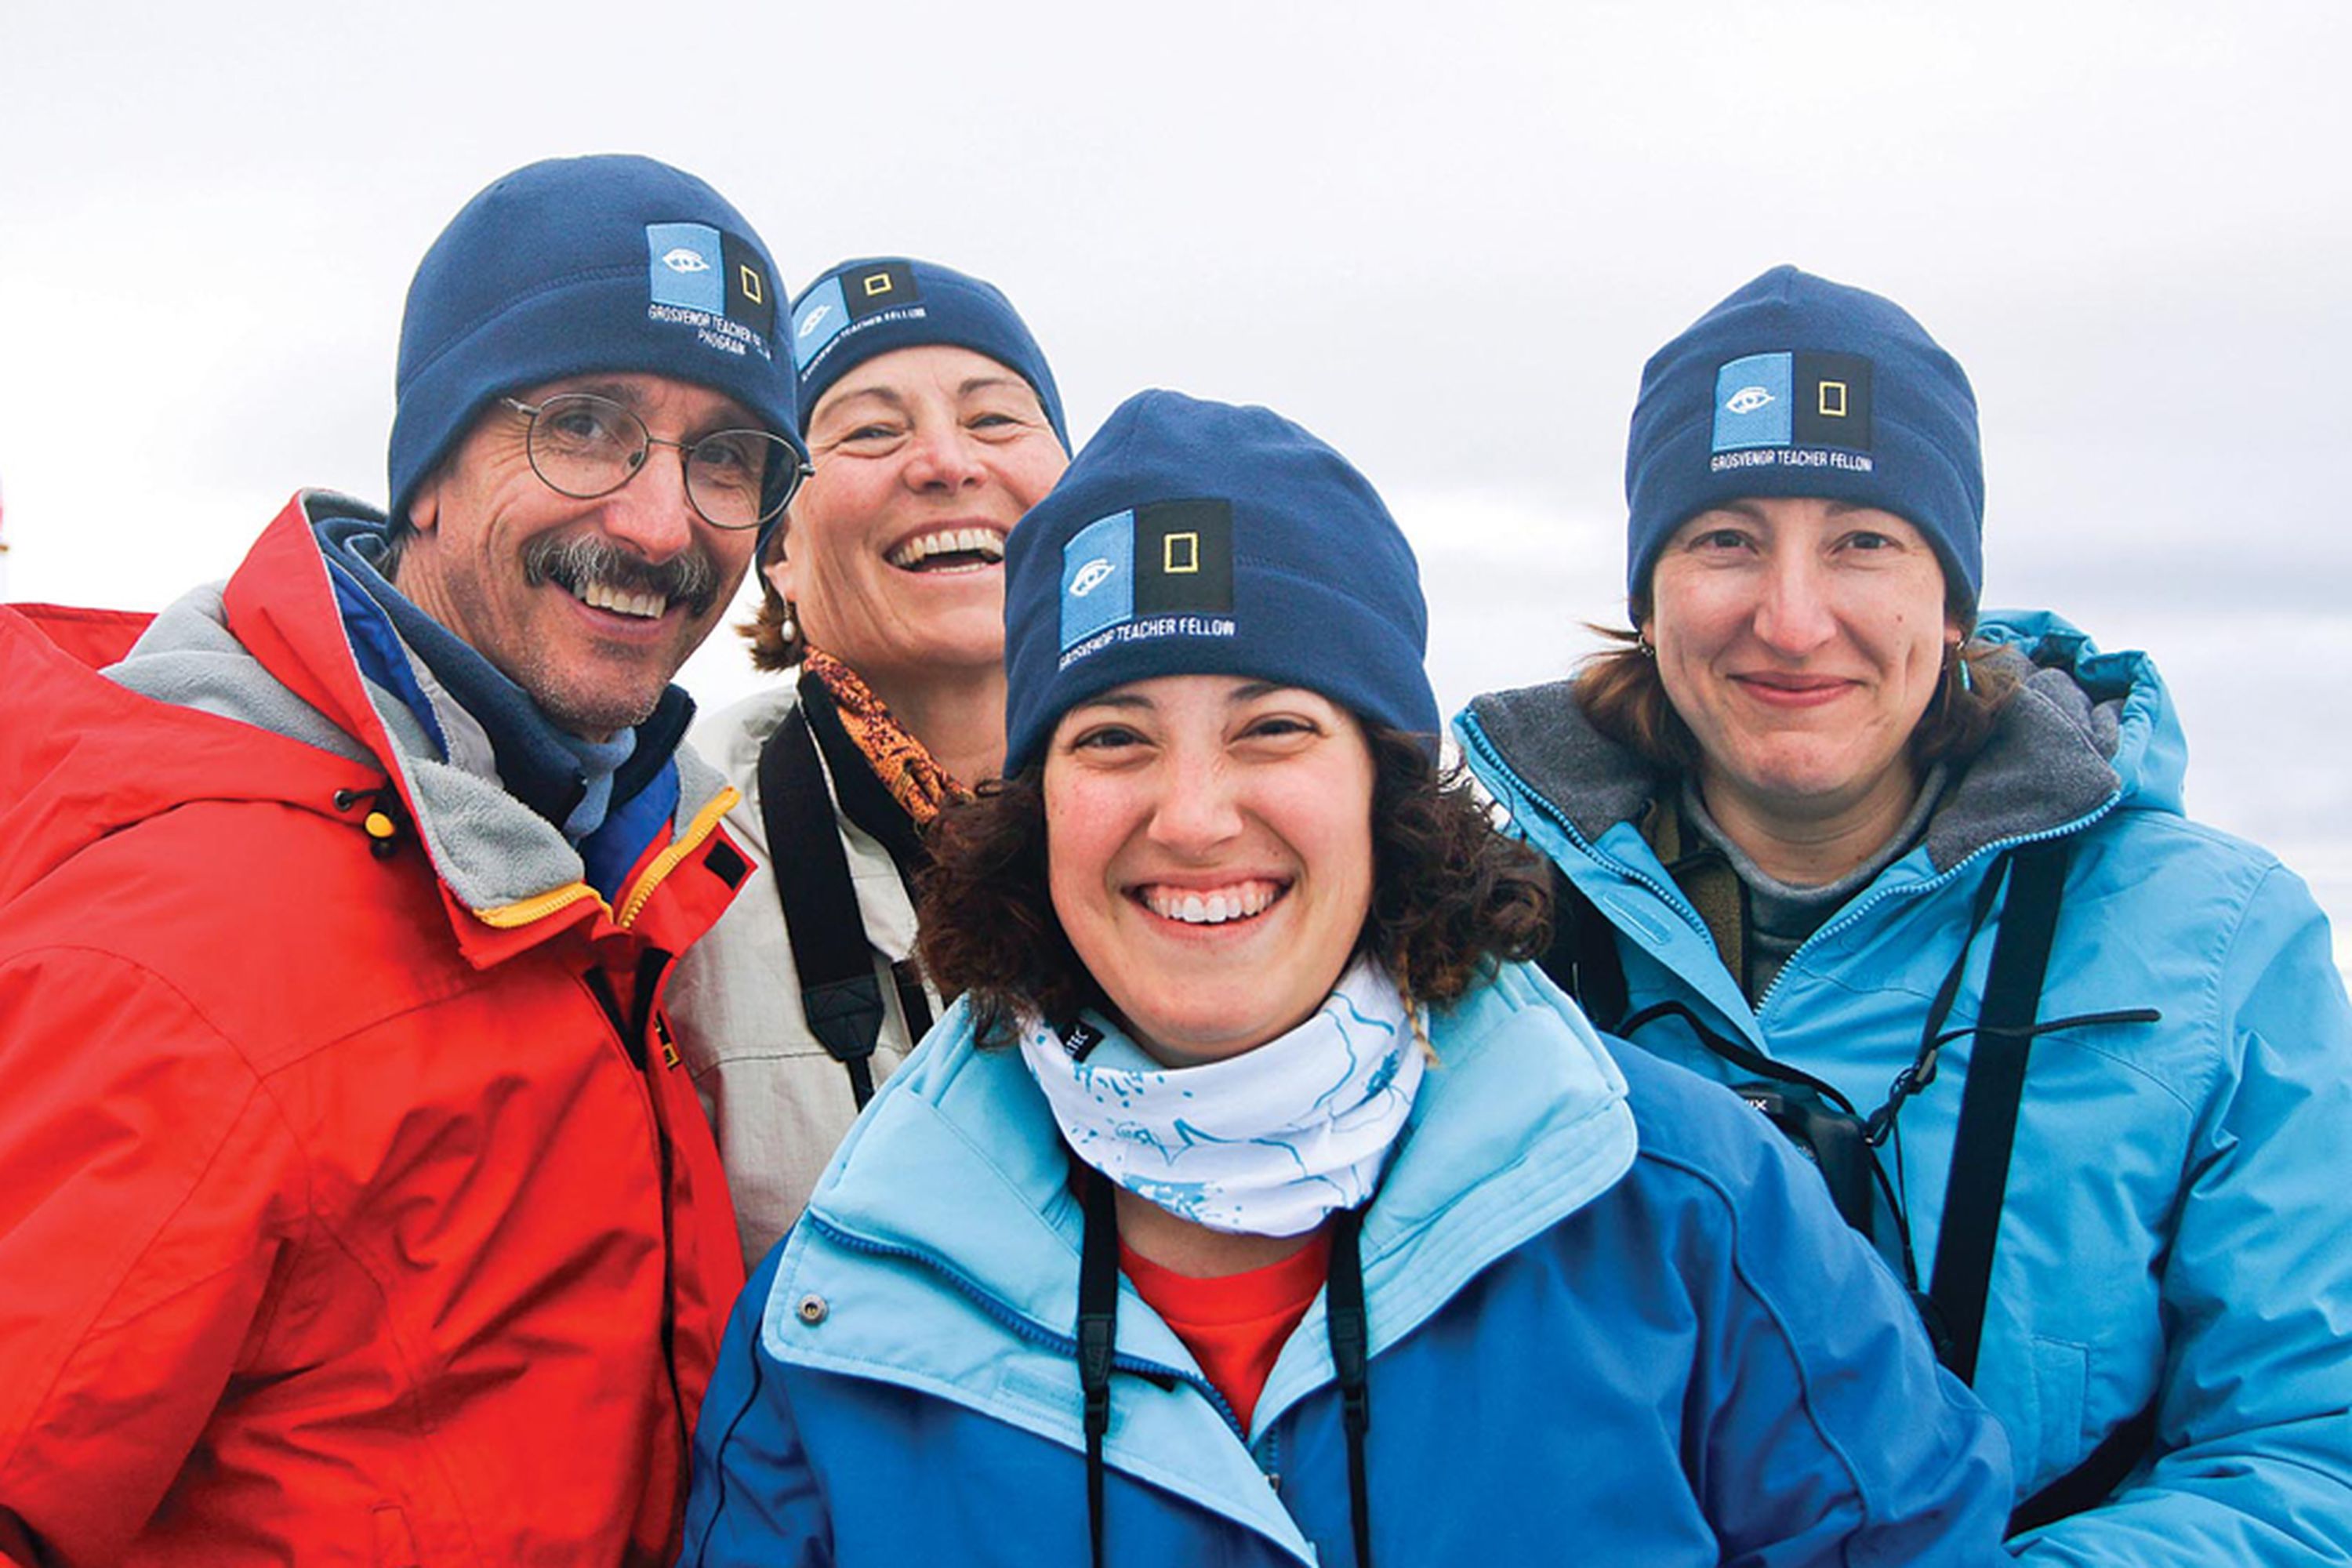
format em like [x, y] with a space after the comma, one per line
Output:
[588, 606]
[892, 553]
[1209, 853]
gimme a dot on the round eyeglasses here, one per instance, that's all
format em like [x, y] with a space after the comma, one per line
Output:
[585, 446]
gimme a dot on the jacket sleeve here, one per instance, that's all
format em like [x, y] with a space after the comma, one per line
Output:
[2253, 1456]
[756, 1502]
[1821, 1431]
[140, 1165]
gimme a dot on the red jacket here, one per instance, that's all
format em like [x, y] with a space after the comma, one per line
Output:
[338, 1222]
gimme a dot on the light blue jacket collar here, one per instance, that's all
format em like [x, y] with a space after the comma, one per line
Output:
[943, 1243]
[2090, 732]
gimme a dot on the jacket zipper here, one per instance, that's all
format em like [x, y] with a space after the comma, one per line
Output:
[704, 823]
[633, 1042]
[1941, 880]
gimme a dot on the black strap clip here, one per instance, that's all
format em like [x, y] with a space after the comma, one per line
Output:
[845, 1015]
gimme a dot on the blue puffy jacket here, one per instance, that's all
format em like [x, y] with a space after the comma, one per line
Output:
[1581, 1350]
[2178, 1228]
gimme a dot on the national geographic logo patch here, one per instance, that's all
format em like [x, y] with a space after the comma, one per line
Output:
[1165, 569]
[873, 289]
[1832, 401]
[843, 304]
[750, 292]
[1801, 409]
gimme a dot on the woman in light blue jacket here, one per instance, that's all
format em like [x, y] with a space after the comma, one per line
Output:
[1920, 884]
[1247, 1210]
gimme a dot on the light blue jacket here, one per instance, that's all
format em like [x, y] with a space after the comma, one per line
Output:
[2178, 1219]
[1583, 1349]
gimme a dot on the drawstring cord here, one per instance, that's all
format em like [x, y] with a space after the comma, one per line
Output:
[1922, 1072]
[383, 822]
[1934, 1036]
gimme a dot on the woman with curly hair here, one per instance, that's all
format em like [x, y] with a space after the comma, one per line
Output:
[1249, 1128]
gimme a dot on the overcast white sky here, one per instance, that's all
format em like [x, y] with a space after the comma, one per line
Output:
[1444, 236]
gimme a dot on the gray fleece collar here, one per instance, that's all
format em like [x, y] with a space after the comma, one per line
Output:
[2048, 763]
[1544, 737]
[491, 849]
[187, 657]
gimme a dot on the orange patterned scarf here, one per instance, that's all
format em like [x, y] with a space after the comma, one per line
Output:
[920, 786]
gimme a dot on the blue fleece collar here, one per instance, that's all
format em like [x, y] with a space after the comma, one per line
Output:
[607, 799]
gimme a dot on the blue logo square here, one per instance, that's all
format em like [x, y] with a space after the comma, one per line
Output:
[687, 266]
[1754, 402]
[817, 321]
[1097, 578]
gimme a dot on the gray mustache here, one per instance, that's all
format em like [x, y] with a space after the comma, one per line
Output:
[583, 558]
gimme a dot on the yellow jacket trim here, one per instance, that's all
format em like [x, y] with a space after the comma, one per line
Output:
[705, 823]
[506, 917]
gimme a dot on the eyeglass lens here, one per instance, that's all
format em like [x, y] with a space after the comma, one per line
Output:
[586, 446]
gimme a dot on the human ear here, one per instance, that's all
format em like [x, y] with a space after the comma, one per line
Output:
[425, 507]
[780, 571]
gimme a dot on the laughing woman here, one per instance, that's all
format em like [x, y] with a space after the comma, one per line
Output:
[1251, 1207]
[933, 424]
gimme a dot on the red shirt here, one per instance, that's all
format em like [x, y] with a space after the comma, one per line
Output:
[1234, 1324]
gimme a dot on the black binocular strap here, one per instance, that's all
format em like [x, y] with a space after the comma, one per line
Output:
[865, 799]
[1989, 1103]
[840, 997]
[1097, 1342]
[1350, 1331]
[2093, 1482]
[1582, 960]
[1981, 1147]
[868, 803]
[1097, 1335]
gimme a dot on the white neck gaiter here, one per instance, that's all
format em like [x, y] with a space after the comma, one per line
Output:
[1264, 1144]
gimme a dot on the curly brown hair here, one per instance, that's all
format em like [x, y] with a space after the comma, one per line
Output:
[1451, 896]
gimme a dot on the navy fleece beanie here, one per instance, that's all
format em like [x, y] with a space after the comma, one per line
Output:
[862, 308]
[1799, 386]
[578, 265]
[1195, 538]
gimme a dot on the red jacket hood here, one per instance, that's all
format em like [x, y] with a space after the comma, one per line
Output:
[86, 757]
[260, 699]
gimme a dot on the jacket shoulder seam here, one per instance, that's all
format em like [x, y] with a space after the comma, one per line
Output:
[1724, 1202]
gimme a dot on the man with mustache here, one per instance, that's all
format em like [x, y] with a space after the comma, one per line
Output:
[355, 1206]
